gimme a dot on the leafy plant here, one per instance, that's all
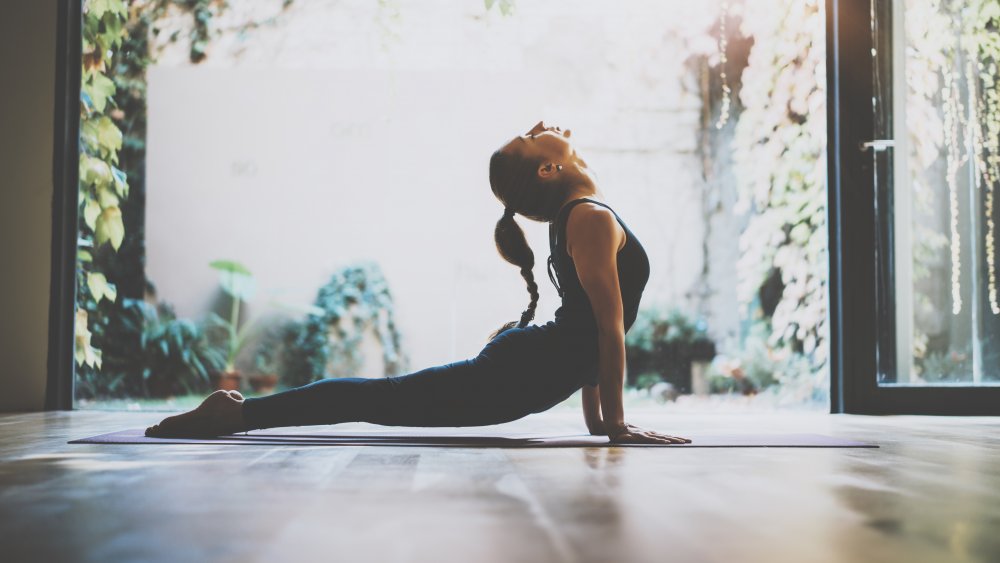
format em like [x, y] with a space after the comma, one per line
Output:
[666, 342]
[760, 366]
[356, 299]
[177, 356]
[778, 146]
[152, 353]
[102, 185]
[946, 367]
[237, 282]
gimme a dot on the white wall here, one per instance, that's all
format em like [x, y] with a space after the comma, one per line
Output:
[27, 63]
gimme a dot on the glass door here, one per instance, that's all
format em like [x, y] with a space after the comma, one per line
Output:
[936, 168]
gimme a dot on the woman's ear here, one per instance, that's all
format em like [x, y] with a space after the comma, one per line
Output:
[547, 170]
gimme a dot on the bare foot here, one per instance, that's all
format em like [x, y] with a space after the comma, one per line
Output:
[219, 414]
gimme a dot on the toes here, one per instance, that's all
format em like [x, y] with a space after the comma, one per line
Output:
[236, 395]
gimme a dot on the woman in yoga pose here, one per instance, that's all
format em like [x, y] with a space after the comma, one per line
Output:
[600, 271]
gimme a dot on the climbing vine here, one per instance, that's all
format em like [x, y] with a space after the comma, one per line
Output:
[103, 185]
[779, 145]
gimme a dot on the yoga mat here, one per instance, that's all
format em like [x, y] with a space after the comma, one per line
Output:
[471, 440]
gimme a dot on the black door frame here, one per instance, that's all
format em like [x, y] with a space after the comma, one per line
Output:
[65, 201]
[856, 322]
[854, 363]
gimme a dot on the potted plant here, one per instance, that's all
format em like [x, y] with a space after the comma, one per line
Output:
[237, 282]
[264, 380]
[671, 344]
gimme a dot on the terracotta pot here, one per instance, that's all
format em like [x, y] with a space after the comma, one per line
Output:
[263, 382]
[227, 380]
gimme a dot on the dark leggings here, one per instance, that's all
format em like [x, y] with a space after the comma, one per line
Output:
[520, 372]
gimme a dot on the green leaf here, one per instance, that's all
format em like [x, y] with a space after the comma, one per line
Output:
[109, 137]
[84, 256]
[97, 8]
[88, 134]
[97, 283]
[95, 172]
[230, 266]
[90, 212]
[235, 278]
[106, 198]
[83, 352]
[120, 181]
[100, 89]
[110, 228]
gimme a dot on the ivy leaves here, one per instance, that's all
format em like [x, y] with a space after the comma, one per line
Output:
[102, 184]
[100, 287]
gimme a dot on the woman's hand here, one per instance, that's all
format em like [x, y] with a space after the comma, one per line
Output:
[597, 428]
[632, 434]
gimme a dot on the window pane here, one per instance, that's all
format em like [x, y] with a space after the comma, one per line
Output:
[946, 121]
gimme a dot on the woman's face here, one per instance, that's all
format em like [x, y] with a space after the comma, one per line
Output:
[548, 144]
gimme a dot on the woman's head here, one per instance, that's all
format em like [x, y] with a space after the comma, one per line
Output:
[534, 174]
[537, 172]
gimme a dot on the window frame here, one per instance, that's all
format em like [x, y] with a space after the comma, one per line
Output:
[65, 201]
[857, 323]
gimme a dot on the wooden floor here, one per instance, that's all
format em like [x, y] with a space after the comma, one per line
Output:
[930, 493]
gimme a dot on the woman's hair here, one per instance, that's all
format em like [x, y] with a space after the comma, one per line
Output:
[516, 184]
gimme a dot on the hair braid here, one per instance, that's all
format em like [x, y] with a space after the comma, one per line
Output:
[529, 313]
[513, 248]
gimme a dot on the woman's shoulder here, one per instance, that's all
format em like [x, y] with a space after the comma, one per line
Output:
[591, 221]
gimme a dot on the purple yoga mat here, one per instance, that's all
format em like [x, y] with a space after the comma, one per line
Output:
[439, 438]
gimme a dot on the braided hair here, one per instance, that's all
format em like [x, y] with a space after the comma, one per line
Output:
[515, 183]
[513, 248]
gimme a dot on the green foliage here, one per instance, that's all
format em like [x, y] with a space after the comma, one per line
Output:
[149, 352]
[177, 357]
[506, 7]
[779, 144]
[237, 282]
[759, 366]
[946, 367]
[665, 343]
[356, 299]
[103, 186]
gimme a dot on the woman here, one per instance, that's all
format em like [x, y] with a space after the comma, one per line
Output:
[602, 270]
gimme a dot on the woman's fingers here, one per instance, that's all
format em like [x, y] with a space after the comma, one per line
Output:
[648, 438]
[638, 436]
[672, 439]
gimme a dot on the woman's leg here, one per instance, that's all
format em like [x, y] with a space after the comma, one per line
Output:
[504, 383]
[465, 393]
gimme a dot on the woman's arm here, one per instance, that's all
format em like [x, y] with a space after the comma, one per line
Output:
[593, 238]
[592, 410]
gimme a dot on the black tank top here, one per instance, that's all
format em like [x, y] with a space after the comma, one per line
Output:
[633, 272]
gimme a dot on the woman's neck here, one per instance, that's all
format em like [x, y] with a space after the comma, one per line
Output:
[579, 191]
